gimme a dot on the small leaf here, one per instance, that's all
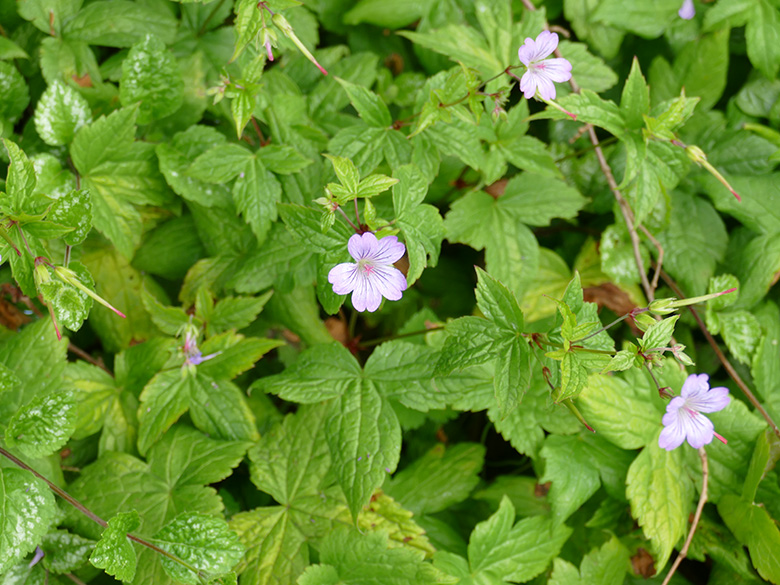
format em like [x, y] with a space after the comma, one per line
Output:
[60, 112]
[203, 541]
[43, 425]
[114, 552]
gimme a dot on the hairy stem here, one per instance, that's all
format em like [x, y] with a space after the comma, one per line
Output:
[705, 474]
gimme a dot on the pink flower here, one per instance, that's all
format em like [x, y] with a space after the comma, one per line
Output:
[687, 10]
[684, 419]
[542, 72]
[373, 276]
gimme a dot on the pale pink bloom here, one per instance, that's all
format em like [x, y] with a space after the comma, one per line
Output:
[542, 72]
[373, 275]
[684, 419]
[687, 10]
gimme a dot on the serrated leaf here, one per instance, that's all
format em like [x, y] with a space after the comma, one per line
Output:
[203, 541]
[369, 106]
[14, 93]
[384, 514]
[365, 443]
[659, 334]
[501, 549]
[660, 494]
[60, 112]
[497, 303]
[74, 209]
[235, 313]
[114, 552]
[256, 193]
[150, 75]
[120, 23]
[43, 425]
[754, 528]
[618, 413]
[635, 99]
[65, 552]
[439, 479]
[28, 508]
[220, 164]
[570, 467]
[574, 377]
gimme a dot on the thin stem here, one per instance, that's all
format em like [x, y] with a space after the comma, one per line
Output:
[66, 258]
[357, 213]
[705, 474]
[576, 347]
[587, 149]
[75, 579]
[349, 221]
[652, 375]
[211, 15]
[660, 261]
[89, 513]
[723, 359]
[595, 333]
[372, 342]
[88, 358]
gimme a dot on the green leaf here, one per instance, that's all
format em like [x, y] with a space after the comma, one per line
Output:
[537, 200]
[43, 425]
[14, 94]
[204, 542]
[60, 112]
[369, 106]
[754, 528]
[74, 209]
[497, 303]
[65, 552]
[10, 50]
[114, 552]
[635, 99]
[304, 224]
[741, 331]
[28, 509]
[591, 109]
[459, 43]
[660, 493]
[348, 557]
[765, 455]
[592, 72]
[659, 334]
[757, 267]
[220, 164]
[528, 153]
[498, 550]
[292, 459]
[574, 377]
[347, 173]
[441, 478]
[163, 401]
[150, 75]
[379, 13]
[570, 467]
[636, 16]
[49, 15]
[763, 38]
[235, 313]
[282, 159]
[20, 181]
[621, 414]
[120, 23]
[242, 107]
[276, 550]
[365, 443]
[256, 193]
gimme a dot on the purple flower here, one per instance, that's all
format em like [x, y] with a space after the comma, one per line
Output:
[194, 356]
[373, 276]
[542, 72]
[684, 419]
[687, 10]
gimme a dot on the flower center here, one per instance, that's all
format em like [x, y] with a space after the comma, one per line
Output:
[366, 266]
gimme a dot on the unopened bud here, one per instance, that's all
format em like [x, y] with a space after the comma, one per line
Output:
[284, 26]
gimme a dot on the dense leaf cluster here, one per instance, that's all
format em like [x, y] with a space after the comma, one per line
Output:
[184, 398]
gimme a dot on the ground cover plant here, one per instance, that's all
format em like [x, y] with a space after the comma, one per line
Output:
[368, 292]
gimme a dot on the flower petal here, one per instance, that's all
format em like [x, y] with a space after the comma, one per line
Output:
[546, 87]
[343, 277]
[362, 245]
[389, 281]
[713, 401]
[673, 434]
[527, 52]
[556, 69]
[389, 250]
[687, 10]
[694, 386]
[699, 430]
[528, 84]
[546, 43]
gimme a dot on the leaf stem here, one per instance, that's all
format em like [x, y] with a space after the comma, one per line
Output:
[705, 473]
[349, 221]
[595, 333]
